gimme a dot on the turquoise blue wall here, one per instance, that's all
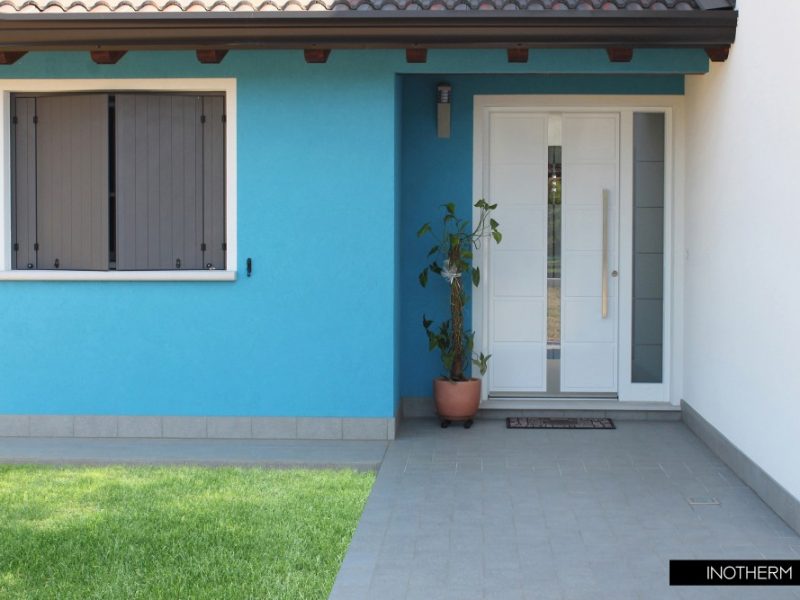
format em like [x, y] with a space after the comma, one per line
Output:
[311, 333]
[328, 324]
[436, 171]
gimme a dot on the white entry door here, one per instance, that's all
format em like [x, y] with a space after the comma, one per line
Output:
[517, 266]
[519, 324]
[589, 234]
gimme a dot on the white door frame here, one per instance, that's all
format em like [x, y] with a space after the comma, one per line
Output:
[671, 389]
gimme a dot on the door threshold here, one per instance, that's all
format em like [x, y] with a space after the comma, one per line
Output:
[568, 404]
[594, 397]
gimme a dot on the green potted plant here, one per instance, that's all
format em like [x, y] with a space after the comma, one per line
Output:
[457, 395]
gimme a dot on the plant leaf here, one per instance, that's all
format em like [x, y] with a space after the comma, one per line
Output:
[424, 229]
[497, 236]
[433, 251]
[476, 276]
[423, 278]
[451, 208]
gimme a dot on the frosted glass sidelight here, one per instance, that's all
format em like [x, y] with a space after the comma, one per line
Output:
[648, 248]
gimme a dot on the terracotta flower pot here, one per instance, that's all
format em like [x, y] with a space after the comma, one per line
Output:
[457, 400]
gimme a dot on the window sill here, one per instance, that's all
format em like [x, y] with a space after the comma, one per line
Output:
[36, 275]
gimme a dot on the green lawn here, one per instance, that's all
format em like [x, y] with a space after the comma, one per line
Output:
[175, 532]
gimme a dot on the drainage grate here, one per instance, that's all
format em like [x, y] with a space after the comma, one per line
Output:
[703, 501]
[558, 423]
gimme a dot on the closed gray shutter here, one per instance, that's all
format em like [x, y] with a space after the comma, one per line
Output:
[72, 182]
[214, 182]
[159, 182]
[23, 184]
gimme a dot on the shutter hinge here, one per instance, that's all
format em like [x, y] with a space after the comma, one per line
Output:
[15, 120]
[16, 247]
[203, 246]
[224, 247]
[36, 246]
[202, 118]
[35, 119]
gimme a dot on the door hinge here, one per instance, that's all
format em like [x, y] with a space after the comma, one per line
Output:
[224, 247]
[35, 119]
[16, 247]
[202, 118]
[15, 120]
[224, 118]
[203, 247]
[36, 246]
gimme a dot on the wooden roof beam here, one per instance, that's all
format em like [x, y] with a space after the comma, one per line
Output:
[107, 57]
[718, 53]
[9, 58]
[517, 55]
[211, 57]
[620, 55]
[316, 55]
[416, 55]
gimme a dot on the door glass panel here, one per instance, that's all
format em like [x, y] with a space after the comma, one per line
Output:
[648, 248]
[554, 255]
[553, 268]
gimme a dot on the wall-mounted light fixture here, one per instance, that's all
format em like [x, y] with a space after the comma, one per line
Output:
[443, 93]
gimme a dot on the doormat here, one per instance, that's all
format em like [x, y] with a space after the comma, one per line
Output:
[558, 423]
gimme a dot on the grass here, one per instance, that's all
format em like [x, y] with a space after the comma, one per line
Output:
[175, 532]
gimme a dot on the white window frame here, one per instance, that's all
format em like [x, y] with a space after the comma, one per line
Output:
[671, 388]
[226, 85]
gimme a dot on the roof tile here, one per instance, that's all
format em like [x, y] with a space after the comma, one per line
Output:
[245, 6]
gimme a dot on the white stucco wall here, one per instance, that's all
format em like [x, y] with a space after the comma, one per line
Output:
[742, 300]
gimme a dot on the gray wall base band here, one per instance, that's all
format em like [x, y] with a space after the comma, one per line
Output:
[259, 428]
[423, 407]
[771, 492]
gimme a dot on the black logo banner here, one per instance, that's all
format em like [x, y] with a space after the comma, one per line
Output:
[734, 572]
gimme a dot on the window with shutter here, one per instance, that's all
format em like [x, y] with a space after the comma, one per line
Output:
[128, 182]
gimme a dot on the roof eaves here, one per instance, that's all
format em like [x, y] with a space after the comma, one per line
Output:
[368, 29]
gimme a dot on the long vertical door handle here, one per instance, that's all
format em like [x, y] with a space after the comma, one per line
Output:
[604, 274]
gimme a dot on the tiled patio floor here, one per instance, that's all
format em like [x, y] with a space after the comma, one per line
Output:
[511, 514]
